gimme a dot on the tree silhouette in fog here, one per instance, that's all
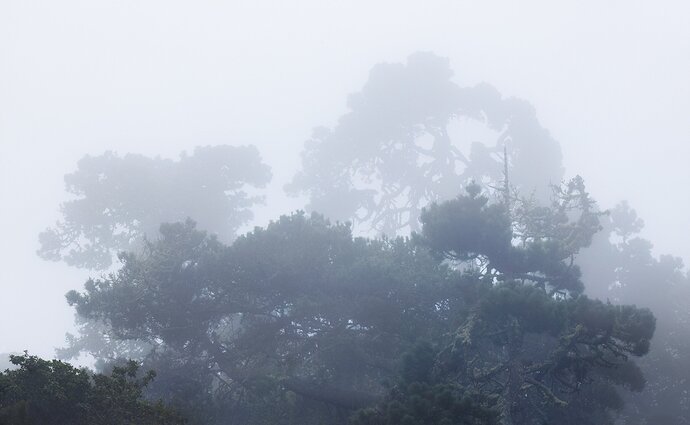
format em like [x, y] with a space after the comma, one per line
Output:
[620, 266]
[120, 200]
[394, 152]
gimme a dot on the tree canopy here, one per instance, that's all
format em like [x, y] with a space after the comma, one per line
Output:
[120, 200]
[302, 323]
[297, 308]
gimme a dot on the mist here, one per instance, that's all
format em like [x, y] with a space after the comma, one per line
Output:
[607, 83]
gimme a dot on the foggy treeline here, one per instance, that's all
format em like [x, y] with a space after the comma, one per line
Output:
[445, 269]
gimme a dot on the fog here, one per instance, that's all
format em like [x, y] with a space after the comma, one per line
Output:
[609, 80]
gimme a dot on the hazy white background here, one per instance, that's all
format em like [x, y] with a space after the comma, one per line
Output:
[610, 79]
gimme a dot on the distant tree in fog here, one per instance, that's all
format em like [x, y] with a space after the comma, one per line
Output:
[120, 200]
[620, 266]
[393, 152]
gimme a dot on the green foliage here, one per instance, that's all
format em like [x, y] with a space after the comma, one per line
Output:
[120, 200]
[420, 397]
[519, 342]
[54, 392]
[302, 323]
[423, 404]
[298, 307]
[544, 358]
[528, 242]
[467, 228]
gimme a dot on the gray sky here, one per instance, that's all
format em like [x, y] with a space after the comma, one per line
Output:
[608, 79]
